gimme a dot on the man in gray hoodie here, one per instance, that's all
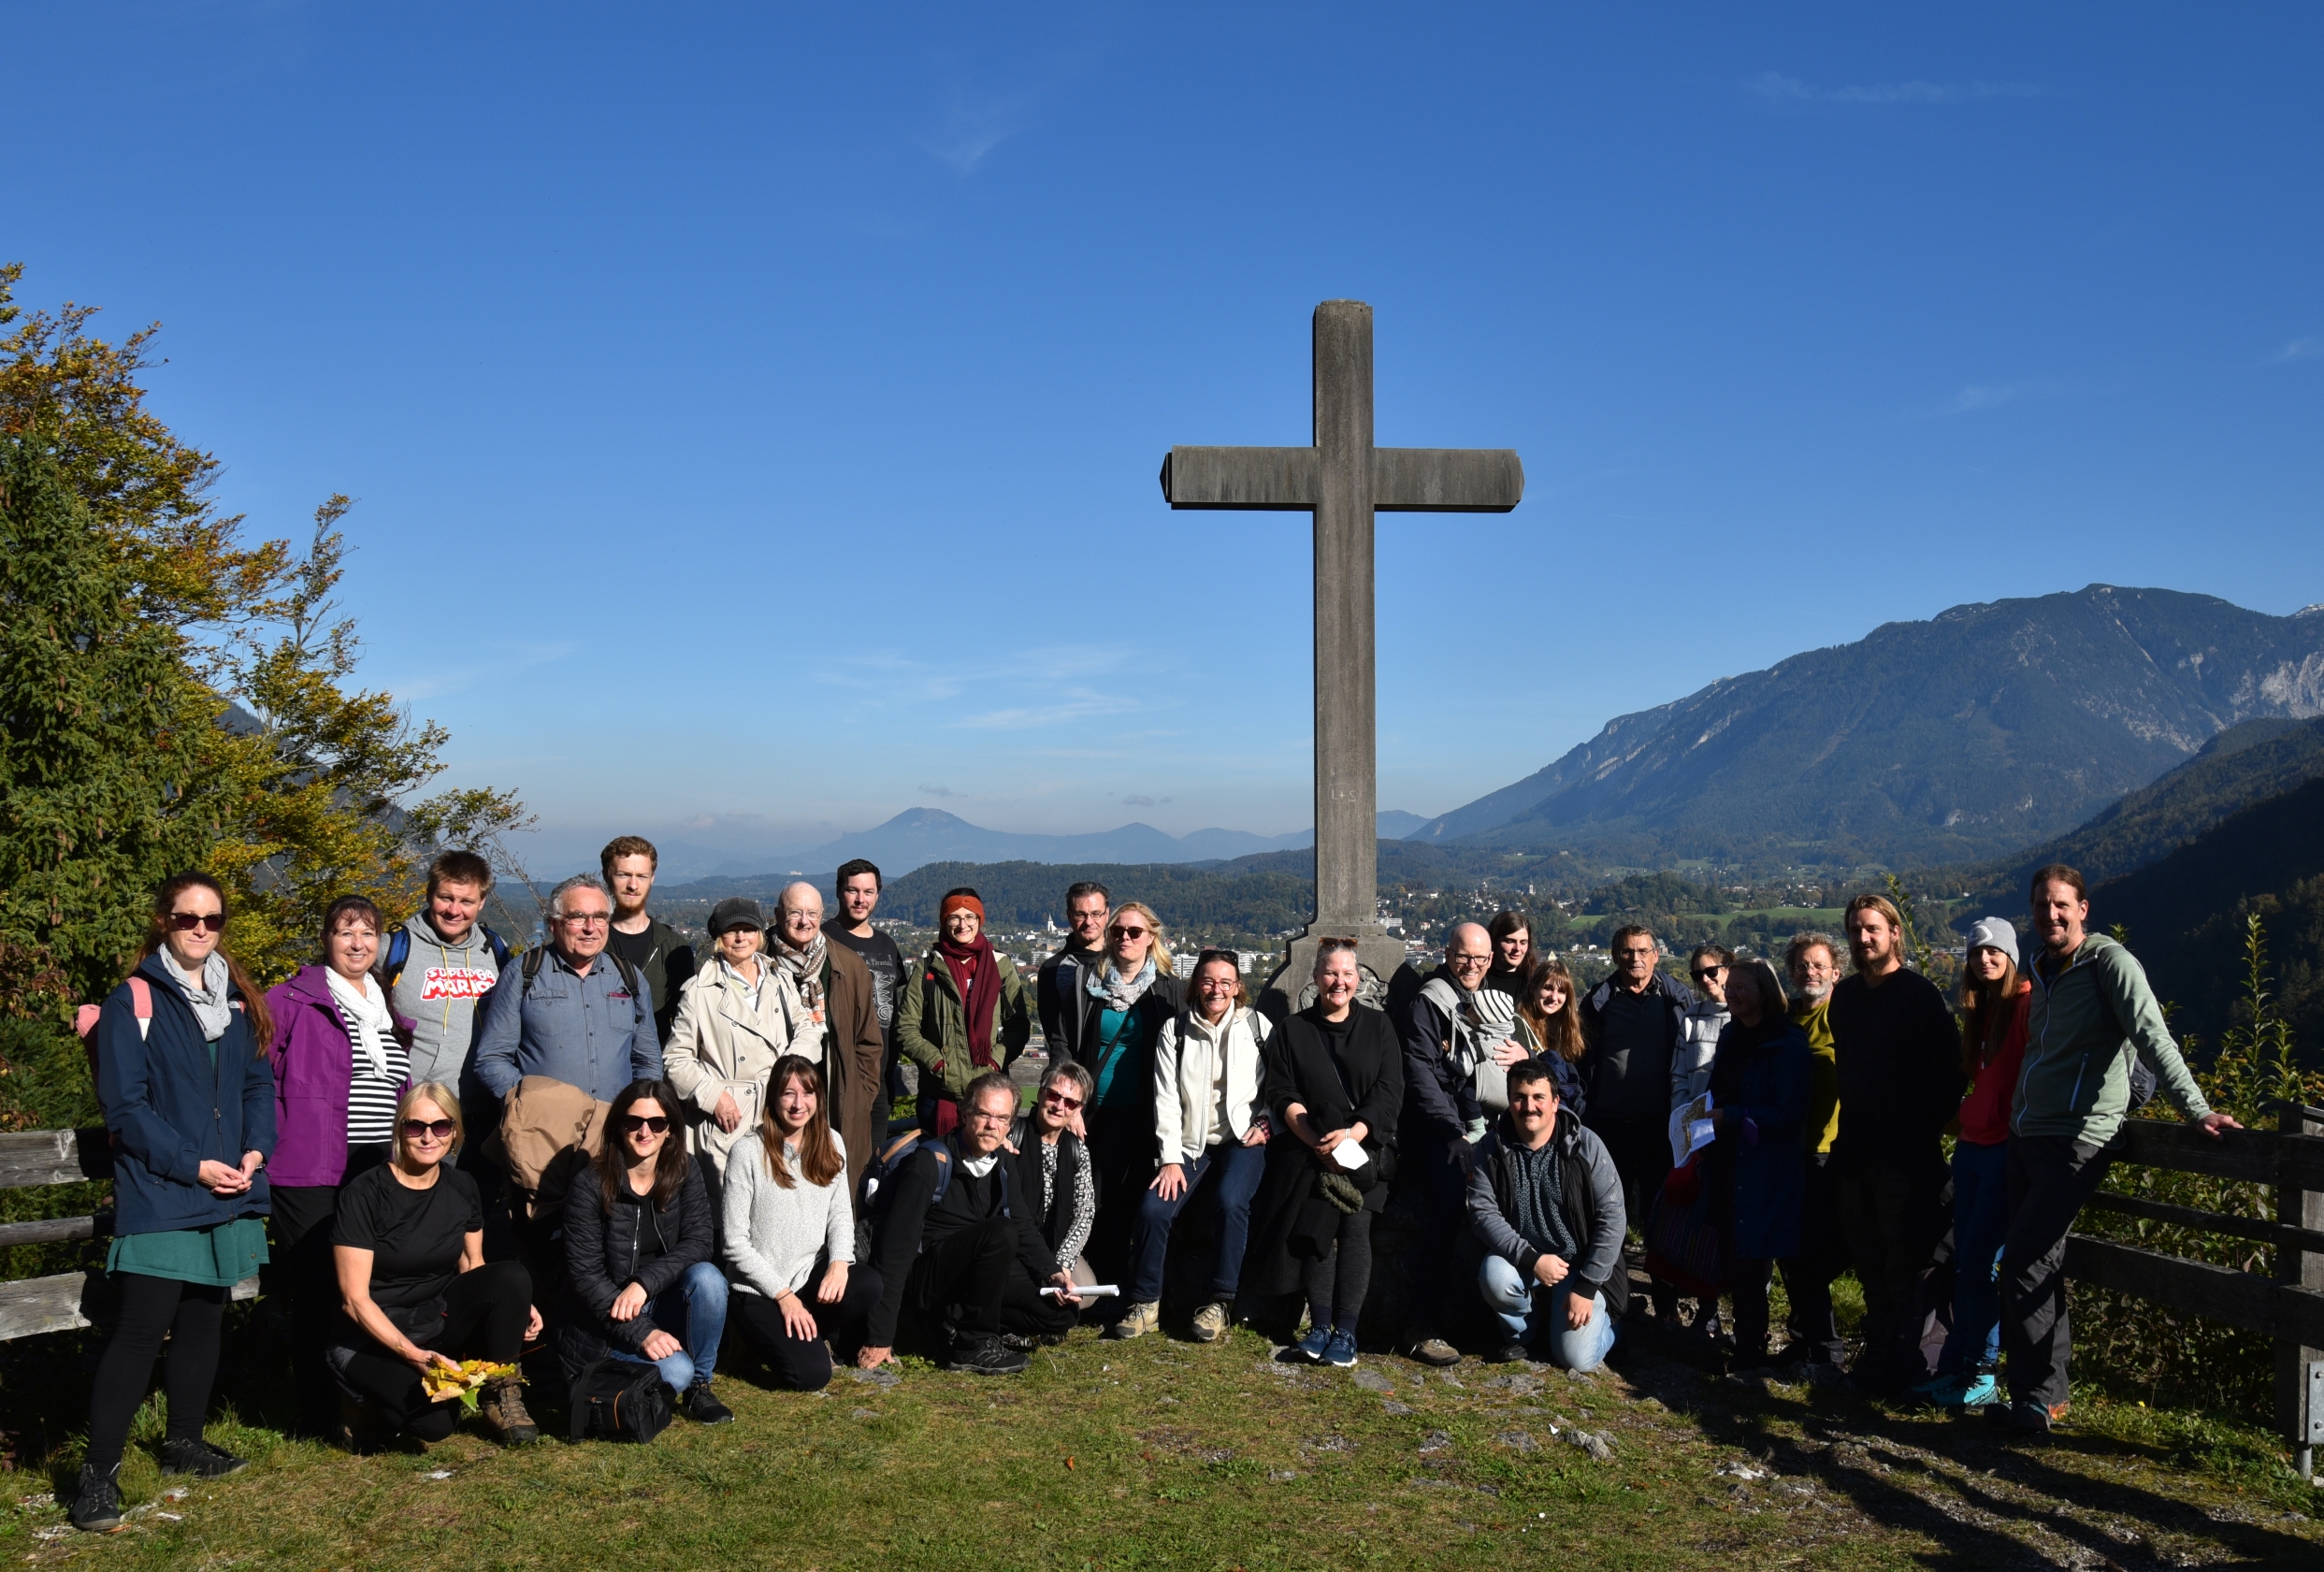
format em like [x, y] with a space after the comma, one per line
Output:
[1545, 1202]
[438, 967]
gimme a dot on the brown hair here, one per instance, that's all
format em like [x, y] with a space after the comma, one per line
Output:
[1870, 902]
[348, 906]
[157, 934]
[1802, 943]
[1775, 1005]
[2056, 873]
[1986, 1012]
[819, 1161]
[459, 868]
[1560, 1033]
[1505, 923]
[627, 845]
[669, 1164]
[1719, 953]
[1234, 962]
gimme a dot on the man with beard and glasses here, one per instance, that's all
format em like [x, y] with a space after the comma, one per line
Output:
[839, 1030]
[1811, 961]
[1059, 985]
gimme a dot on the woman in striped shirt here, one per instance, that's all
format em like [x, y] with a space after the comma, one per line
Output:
[341, 1058]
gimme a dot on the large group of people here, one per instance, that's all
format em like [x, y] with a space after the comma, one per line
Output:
[438, 1149]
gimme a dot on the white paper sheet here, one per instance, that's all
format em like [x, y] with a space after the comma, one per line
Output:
[1691, 1130]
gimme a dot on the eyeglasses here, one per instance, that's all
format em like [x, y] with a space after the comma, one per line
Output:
[1127, 932]
[186, 922]
[427, 1129]
[1704, 974]
[585, 919]
[652, 1124]
[1068, 1104]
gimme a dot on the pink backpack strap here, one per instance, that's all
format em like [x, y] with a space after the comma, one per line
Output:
[141, 999]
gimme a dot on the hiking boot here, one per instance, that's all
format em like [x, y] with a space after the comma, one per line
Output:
[1512, 1352]
[1431, 1351]
[1340, 1353]
[703, 1408]
[986, 1358]
[1211, 1322]
[200, 1458]
[502, 1410]
[97, 1506]
[2026, 1417]
[1136, 1321]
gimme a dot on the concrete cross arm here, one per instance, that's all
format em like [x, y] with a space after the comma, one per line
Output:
[1404, 480]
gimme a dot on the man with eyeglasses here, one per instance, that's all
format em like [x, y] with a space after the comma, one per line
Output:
[568, 1011]
[1633, 1024]
[952, 1239]
[1058, 985]
[1812, 963]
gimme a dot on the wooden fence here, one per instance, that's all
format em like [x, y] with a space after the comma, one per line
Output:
[2286, 1303]
[69, 1299]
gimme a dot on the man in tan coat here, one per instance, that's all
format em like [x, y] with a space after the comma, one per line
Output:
[840, 1031]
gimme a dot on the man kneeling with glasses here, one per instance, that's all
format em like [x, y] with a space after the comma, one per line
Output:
[950, 1235]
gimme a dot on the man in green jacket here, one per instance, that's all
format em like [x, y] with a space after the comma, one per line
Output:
[2090, 1014]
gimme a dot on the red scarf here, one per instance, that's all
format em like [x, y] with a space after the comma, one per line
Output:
[977, 977]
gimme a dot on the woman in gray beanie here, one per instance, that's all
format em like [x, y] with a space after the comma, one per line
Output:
[1993, 1045]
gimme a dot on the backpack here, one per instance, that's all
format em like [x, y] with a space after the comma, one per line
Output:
[85, 1027]
[613, 1400]
[399, 951]
[888, 1161]
[534, 957]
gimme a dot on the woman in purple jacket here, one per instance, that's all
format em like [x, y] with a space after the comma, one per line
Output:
[341, 1058]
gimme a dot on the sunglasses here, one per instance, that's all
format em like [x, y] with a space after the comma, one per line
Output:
[1127, 932]
[1068, 1104]
[652, 1124]
[186, 922]
[425, 1129]
[1704, 974]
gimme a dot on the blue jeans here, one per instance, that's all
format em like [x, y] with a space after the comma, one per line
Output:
[1980, 1225]
[1526, 1309]
[698, 1302]
[1239, 1169]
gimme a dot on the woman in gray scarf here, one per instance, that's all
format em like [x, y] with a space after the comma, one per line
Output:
[1125, 1004]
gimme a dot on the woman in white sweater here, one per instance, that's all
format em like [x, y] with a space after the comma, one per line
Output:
[786, 1212]
[1210, 1124]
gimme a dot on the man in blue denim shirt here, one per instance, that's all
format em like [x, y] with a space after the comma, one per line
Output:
[570, 1015]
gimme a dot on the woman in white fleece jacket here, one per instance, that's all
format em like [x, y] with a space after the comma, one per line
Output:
[786, 1212]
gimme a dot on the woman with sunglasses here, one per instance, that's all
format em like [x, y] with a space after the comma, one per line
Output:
[964, 1013]
[182, 1076]
[638, 1239]
[1708, 1016]
[418, 1294]
[788, 1223]
[1053, 1164]
[1210, 1126]
[1131, 995]
[341, 1058]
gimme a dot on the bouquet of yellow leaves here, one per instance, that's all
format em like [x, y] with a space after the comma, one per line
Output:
[463, 1381]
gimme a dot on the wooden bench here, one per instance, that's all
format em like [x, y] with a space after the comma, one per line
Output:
[69, 1300]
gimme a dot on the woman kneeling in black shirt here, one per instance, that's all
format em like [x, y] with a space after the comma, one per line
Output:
[409, 1240]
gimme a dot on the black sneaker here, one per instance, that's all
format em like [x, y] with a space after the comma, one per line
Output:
[989, 1357]
[1513, 1353]
[97, 1506]
[200, 1458]
[703, 1408]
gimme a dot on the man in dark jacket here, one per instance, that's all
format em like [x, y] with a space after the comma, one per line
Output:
[1633, 1024]
[971, 1245]
[1440, 1118]
[654, 949]
[1545, 1200]
[1059, 985]
[1899, 1057]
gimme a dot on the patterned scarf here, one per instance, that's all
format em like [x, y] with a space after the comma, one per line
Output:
[1118, 992]
[806, 969]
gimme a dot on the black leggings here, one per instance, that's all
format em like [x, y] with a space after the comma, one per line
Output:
[485, 1314]
[804, 1364]
[1337, 1283]
[977, 1268]
[305, 1273]
[190, 1313]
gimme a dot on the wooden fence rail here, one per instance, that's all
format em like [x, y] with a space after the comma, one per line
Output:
[2284, 1303]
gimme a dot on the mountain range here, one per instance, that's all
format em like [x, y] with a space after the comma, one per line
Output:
[1986, 729]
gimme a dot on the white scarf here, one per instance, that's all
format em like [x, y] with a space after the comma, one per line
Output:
[1120, 993]
[368, 1024]
[210, 1006]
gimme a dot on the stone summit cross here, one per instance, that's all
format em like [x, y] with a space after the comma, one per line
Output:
[1343, 479]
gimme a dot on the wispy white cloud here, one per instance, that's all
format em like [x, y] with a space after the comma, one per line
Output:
[1077, 704]
[2308, 348]
[973, 127]
[1978, 397]
[1773, 87]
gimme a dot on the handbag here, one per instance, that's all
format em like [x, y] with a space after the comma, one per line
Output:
[615, 1400]
[1683, 1247]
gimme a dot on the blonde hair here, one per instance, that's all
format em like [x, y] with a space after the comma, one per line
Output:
[444, 1098]
[1160, 954]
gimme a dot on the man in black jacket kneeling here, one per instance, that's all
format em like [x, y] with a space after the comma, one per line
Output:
[949, 1239]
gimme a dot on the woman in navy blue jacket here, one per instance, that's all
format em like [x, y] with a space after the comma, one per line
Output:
[1757, 1168]
[189, 1097]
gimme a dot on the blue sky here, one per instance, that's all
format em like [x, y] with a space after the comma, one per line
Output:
[754, 413]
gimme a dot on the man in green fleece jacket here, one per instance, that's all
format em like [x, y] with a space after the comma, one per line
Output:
[2091, 1011]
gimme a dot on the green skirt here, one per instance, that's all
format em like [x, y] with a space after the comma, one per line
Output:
[218, 1256]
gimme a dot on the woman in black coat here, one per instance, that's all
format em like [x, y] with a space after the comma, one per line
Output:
[1335, 1079]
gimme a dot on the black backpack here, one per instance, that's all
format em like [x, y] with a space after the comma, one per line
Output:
[615, 1400]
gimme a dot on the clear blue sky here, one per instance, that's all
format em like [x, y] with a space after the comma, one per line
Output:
[755, 414]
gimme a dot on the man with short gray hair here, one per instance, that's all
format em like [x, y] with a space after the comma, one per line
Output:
[568, 1011]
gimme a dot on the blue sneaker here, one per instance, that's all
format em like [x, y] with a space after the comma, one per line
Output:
[1341, 1351]
[1976, 1391]
[1314, 1346]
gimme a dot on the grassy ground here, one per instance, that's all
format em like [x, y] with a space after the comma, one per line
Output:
[1165, 1454]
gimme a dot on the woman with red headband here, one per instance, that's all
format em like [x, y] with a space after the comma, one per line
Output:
[964, 1011]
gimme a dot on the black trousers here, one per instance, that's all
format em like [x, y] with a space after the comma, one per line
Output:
[190, 1314]
[804, 1364]
[1893, 1219]
[1747, 1284]
[1121, 1161]
[977, 1268]
[1640, 1149]
[303, 1272]
[485, 1314]
[1336, 1282]
[1429, 1270]
[1823, 1256]
[2050, 1178]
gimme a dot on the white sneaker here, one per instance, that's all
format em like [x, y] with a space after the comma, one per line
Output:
[1136, 1321]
